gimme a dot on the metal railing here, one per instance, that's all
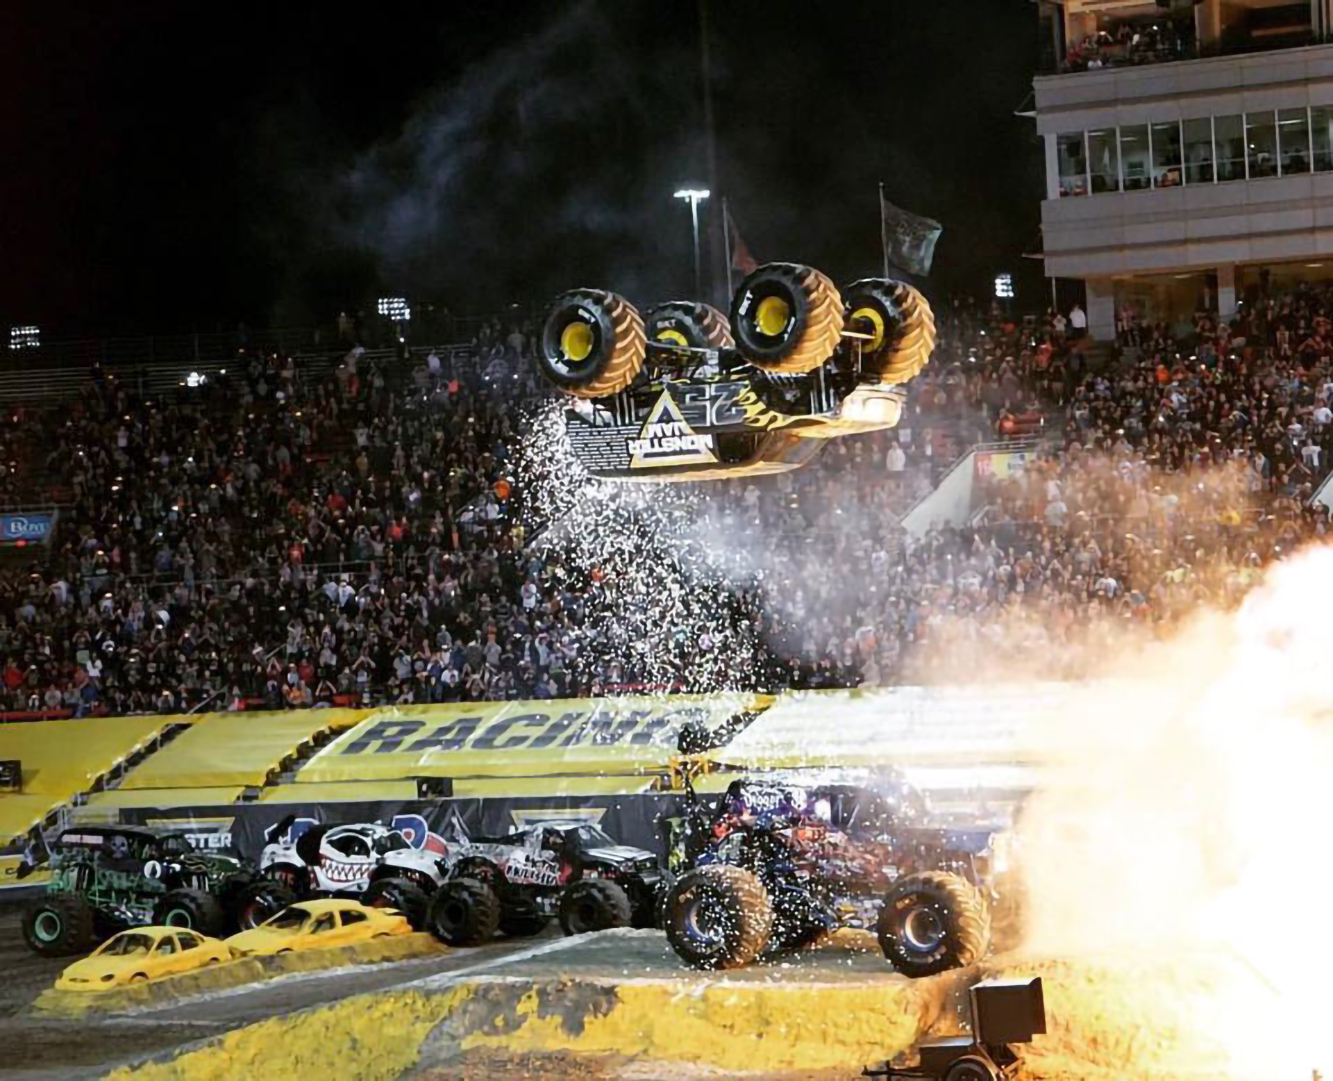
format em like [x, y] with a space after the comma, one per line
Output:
[1170, 50]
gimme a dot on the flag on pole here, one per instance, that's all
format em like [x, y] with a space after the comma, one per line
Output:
[909, 239]
[738, 252]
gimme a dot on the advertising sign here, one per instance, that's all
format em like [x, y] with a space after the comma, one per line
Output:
[1003, 464]
[519, 739]
[20, 529]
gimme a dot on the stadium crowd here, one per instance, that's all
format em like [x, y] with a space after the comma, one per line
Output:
[353, 532]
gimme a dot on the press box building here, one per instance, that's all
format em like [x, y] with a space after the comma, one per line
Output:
[1189, 150]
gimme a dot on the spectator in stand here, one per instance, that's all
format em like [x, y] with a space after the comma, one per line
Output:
[303, 537]
[1078, 322]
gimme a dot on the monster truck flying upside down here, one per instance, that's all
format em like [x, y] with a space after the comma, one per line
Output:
[672, 396]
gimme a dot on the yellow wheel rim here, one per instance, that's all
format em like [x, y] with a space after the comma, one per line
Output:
[869, 315]
[672, 337]
[576, 341]
[772, 316]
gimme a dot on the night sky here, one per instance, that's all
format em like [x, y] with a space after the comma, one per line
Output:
[171, 166]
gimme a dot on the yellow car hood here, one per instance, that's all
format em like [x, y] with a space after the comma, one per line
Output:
[92, 969]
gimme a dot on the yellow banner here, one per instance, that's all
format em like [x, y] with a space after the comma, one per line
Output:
[517, 739]
[9, 868]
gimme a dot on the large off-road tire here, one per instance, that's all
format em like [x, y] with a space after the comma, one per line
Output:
[687, 324]
[593, 343]
[933, 921]
[786, 318]
[718, 917]
[464, 912]
[230, 894]
[262, 901]
[902, 323]
[194, 909]
[594, 904]
[407, 897]
[522, 924]
[59, 925]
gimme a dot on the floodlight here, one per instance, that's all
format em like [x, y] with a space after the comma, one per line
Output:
[395, 308]
[28, 337]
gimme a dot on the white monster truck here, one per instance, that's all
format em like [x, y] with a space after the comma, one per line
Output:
[365, 860]
[515, 884]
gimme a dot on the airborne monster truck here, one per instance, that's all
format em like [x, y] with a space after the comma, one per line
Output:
[368, 861]
[672, 396]
[515, 884]
[107, 878]
[777, 867]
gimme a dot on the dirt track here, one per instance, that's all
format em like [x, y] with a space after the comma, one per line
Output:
[40, 1047]
[54, 1048]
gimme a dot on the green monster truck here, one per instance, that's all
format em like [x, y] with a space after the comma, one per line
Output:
[684, 393]
[107, 878]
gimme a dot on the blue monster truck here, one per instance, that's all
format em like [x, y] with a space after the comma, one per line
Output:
[774, 867]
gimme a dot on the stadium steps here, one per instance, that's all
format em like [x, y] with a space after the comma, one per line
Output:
[70, 811]
[292, 766]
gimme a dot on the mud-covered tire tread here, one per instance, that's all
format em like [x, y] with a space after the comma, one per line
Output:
[703, 326]
[76, 919]
[818, 334]
[910, 342]
[207, 915]
[611, 900]
[405, 895]
[483, 912]
[628, 346]
[751, 901]
[968, 923]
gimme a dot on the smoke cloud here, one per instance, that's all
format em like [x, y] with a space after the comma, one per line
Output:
[1175, 838]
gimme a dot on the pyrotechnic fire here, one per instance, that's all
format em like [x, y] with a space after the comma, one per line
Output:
[1177, 842]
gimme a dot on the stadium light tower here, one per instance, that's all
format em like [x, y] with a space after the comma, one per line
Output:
[695, 196]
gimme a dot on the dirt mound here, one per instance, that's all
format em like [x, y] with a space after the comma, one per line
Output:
[1128, 1019]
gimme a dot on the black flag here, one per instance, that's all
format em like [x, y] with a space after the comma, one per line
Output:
[909, 239]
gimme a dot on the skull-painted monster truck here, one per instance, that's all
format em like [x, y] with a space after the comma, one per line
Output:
[678, 394]
[780, 866]
[107, 878]
[570, 870]
[371, 862]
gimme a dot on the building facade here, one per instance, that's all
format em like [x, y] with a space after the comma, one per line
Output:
[1189, 159]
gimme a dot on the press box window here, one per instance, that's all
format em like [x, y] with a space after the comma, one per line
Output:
[1166, 155]
[1321, 137]
[1199, 150]
[1293, 141]
[1229, 141]
[1261, 144]
[1073, 164]
[1134, 157]
[1104, 161]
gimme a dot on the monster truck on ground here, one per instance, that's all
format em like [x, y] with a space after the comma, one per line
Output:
[366, 861]
[107, 878]
[683, 393]
[570, 870]
[777, 867]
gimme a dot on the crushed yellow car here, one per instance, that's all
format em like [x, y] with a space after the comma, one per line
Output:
[317, 925]
[141, 954]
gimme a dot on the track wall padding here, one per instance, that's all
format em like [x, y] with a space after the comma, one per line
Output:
[728, 1026]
